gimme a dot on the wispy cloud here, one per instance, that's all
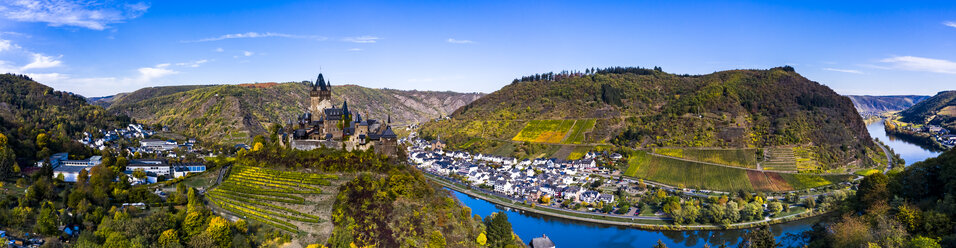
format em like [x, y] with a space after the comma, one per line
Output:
[41, 61]
[912, 63]
[219, 50]
[454, 41]
[950, 24]
[354, 49]
[85, 14]
[248, 35]
[362, 39]
[247, 53]
[193, 64]
[843, 70]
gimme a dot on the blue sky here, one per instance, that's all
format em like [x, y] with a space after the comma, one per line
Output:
[98, 48]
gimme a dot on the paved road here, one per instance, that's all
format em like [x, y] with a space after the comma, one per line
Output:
[889, 159]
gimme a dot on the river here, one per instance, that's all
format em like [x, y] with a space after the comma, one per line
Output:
[567, 233]
[910, 152]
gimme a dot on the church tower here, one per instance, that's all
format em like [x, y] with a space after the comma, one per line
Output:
[320, 96]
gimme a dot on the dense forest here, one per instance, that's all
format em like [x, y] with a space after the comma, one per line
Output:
[937, 110]
[37, 121]
[738, 108]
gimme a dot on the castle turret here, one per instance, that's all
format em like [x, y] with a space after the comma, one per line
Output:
[321, 95]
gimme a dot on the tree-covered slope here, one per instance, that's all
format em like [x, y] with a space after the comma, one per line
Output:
[37, 120]
[228, 114]
[875, 105]
[937, 110]
[650, 108]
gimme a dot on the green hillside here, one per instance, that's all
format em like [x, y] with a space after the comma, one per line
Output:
[37, 121]
[639, 107]
[229, 114]
[937, 110]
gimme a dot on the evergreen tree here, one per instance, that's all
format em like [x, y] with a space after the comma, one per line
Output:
[498, 229]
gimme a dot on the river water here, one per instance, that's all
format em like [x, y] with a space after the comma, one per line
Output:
[908, 151]
[567, 233]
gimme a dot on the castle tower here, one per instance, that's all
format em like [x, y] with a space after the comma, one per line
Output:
[320, 96]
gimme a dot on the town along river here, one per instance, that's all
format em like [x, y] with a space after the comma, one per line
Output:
[567, 233]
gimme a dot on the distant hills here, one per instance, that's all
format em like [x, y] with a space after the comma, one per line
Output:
[229, 114]
[650, 108]
[937, 110]
[876, 105]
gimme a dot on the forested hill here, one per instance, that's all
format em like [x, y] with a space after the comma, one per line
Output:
[37, 121]
[937, 110]
[648, 107]
[229, 114]
[875, 105]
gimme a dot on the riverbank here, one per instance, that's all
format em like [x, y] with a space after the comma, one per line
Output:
[644, 223]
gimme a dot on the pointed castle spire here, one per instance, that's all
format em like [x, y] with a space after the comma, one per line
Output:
[320, 82]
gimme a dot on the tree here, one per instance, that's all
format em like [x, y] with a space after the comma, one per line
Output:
[436, 240]
[194, 204]
[193, 223]
[660, 244]
[139, 173]
[498, 229]
[47, 220]
[872, 189]
[116, 240]
[775, 207]
[924, 242]
[169, 239]
[8, 159]
[760, 237]
[219, 231]
[482, 240]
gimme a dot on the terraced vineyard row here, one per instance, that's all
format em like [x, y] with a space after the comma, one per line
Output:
[690, 174]
[273, 197]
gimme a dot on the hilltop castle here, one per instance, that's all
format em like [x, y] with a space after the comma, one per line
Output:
[325, 125]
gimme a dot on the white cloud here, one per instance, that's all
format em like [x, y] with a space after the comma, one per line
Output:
[354, 49]
[362, 39]
[843, 70]
[86, 14]
[247, 53]
[454, 41]
[5, 45]
[219, 50]
[911, 63]
[147, 74]
[41, 61]
[256, 35]
[193, 64]
[950, 24]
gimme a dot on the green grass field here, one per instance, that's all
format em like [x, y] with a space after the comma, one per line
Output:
[544, 131]
[690, 174]
[746, 158]
[577, 132]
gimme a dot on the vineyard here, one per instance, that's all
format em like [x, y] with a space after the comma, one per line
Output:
[691, 174]
[545, 131]
[745, 158]
[285, 200]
